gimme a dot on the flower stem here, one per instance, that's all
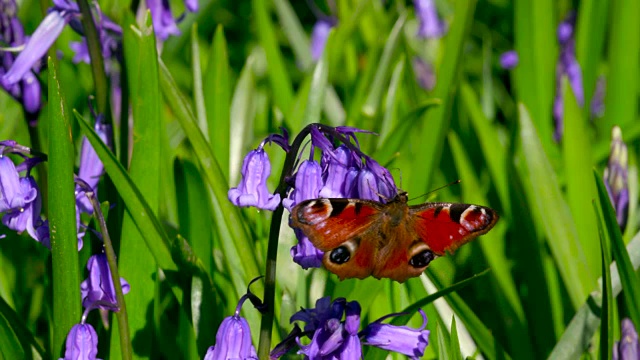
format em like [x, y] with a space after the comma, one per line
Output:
[121, 314]
[272, 249]
[97, 62]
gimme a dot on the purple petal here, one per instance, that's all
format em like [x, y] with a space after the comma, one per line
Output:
[233, 341]
[191, 5]
[509, 59]
[319, 36]
[424, 73]
[402, 339]
[164, 24]
[430, 24]
[99, 286]
[336, 173]
[252, 190]
[41, 40]
[82, 343]
[307, 184]
[304, 253]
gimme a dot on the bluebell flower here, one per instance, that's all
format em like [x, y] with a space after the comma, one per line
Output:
[628, 348]
[252, 190]
[616, 177]
[509, 59]
[62, 13]
[307, 184]
[233, 339]
[335, 338]
[319, 36]
[336, 165]
[401, 339]
[164, 24]
[568, 66]
[98, 287]
[24, 216]
[431, 26]
[425, 75]
[91, 168]
[27, 91]
[82, 343]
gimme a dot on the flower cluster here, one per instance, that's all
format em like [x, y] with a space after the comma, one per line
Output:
[27, 90]
[568, 66]
[615, 177]
[335, 338]
[431, 26]
[342, 172]
[20, 197]
[628, 348]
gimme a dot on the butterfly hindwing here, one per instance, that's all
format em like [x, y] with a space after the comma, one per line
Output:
[445, 226]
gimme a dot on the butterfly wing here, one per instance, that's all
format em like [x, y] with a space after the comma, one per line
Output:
[339, 227]
[445, 226]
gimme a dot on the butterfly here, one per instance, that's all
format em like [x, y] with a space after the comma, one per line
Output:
[362, 238]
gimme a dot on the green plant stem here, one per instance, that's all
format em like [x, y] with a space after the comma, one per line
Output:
[97, 62]
[272, 249]
[121, 314]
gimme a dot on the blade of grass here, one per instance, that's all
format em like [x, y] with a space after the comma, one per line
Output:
[243, 114]
[455, 343]
[624, 52]
[198, 90]
[505, 287]
[551, 210]
[282, 89]
[606, 314]
[136, 263]
[232, 230]
[577, 164]
[444, 342]
[436, 124]
[146, 221]
[628, 277]
[217, 97]
[584, 324]
[370, 106]
[67, 308]
[591, 27]
[536, 45]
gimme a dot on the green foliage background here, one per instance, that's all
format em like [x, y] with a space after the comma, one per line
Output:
[241, 70]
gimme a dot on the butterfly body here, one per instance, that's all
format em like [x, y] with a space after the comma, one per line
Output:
[362, 238]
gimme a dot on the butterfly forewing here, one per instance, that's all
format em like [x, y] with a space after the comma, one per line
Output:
[445, 227]
[328, 223]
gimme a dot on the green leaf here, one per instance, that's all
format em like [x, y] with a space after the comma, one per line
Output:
[628, 277]
[444, 342]
[243, 115]
[436, 124]
[506, 293]
[455, 344]
[606, 315]
[136, 263]
[67, 308]
[591, 27]
[198, 90]
[577, 164]
[551, 210]
[624, 53]
[536, 44]
[584, 324]
[217, 97]
[158, 244]
[231, 228]
[370, 107]
[281, 86]
[10, 347]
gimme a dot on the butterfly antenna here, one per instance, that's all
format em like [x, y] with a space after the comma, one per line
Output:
[437, 189]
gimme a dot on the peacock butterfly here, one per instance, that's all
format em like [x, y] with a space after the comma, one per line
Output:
[363, 238]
